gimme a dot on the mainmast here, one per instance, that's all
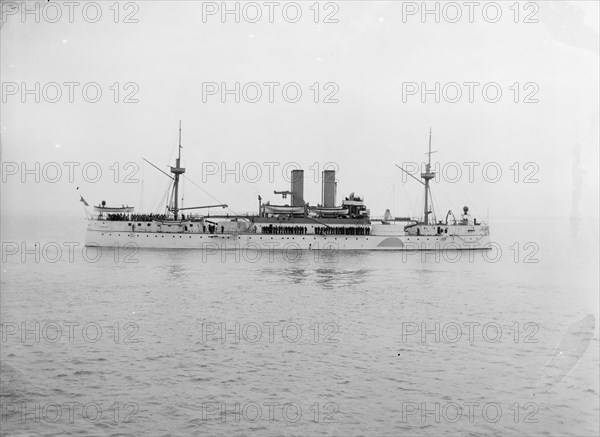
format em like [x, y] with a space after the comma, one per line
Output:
[177, 170]
[427, 176]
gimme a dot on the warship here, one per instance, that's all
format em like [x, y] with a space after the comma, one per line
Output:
[330, 225]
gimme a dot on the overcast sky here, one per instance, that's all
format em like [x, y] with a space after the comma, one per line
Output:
[369, 55]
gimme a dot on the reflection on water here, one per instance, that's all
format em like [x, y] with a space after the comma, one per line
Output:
[331, 278]
[328, 278]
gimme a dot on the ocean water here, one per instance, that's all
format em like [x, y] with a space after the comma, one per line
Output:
[163, 342]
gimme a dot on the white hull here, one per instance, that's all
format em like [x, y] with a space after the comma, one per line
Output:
[231, 241]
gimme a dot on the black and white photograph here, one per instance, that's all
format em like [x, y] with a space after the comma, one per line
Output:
[299, 218]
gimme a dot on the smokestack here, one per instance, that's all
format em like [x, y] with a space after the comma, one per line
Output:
[328, 193]
[297, 187]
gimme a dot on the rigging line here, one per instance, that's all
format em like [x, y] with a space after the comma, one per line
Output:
[160, 196]
[465, 193]
[168, 198]
[182, 191]
[206, 151]
[410, 174]
[420, 206]
[253, 189]
[157, 207]
[450, 201]
[156, 201]
[142, 190]
[164, 200]
[210, 155]
[440, 187]
[432, 206]
[175, 145]
[169, 204]
[208, 194]
[163, 172]
[153, 199]
[203, 150]
[410, 203]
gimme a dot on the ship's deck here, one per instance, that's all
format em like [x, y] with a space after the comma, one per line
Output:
[311, 221]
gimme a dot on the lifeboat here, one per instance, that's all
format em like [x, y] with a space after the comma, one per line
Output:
[277, 209]
[114, 209]
[334, 211]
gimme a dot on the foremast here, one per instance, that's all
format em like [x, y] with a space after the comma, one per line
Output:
[177, 170]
